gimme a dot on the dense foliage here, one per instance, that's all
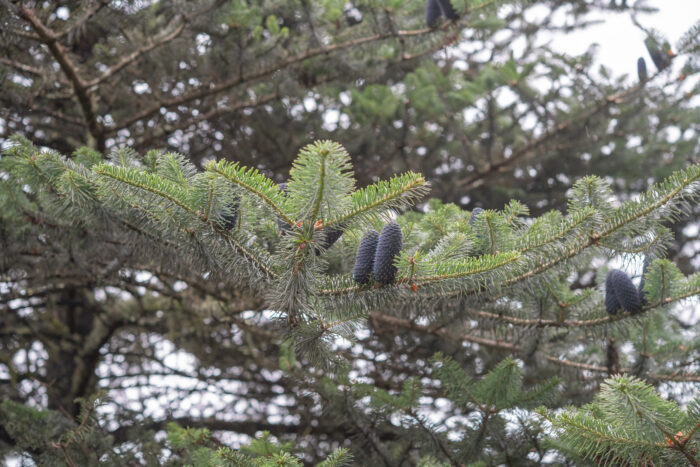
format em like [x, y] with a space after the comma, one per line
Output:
[168, 309]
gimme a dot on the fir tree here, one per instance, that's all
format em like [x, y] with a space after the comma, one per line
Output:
[208, 288]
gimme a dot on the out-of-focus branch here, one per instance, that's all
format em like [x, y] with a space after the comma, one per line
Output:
[174, 28]
[50, 39]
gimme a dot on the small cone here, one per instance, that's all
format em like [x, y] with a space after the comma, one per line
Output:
[626, 293]
[642, 69]
[364, 260]
[388, 246]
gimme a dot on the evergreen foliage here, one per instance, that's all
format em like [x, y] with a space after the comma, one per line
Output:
[226, 299]
[171, 207]
[627, 423]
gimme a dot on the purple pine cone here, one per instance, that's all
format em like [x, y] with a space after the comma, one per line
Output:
[330, 237]
[230, 218]
[626, 293]
[388, 246]
[475, 213]
[642, 69]
[432, 12]
[447, 9]
[611, 303]
[365, 257]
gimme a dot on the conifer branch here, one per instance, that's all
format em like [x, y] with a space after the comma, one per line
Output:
[95, 7]
[152, 183]
[394, 193]
[615, 223]
[216, 88]
[447, 270]
[21, 66]
[544, 323]
[506, 164]
[321, 182]
[170, 32]
[174, 193]
[402, 323]
[253, 182]
[50, 39]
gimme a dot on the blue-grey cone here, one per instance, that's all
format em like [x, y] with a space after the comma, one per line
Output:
[388, 247]
[475, 212]
[364, 260]
[230, 219]
[642, 69]
[661, 60]
[330, 236]
[447, 9]
[611, 303]
[230, 216]
[626, 293]
[432, 12]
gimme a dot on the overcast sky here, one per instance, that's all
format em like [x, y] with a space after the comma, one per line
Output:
[621, 42]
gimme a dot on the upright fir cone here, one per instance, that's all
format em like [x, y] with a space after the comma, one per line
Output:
[364, 260]
[231, 218]
[619, 285]
[388, 246]
[436, 8]
[642, 69]
[475, 213]
[660, 58]
[330, 236]
[432, 12]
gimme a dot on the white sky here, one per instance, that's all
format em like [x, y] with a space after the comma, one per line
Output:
[621, 42]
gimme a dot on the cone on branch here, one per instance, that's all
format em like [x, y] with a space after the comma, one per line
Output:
[230, 218]
[364, 260]
[388, 247]
[434, 9]
[620, 293]
[642, 69]
[330, 236]
[661, 56]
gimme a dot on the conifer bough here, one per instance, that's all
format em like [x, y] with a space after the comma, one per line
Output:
[388, 246]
